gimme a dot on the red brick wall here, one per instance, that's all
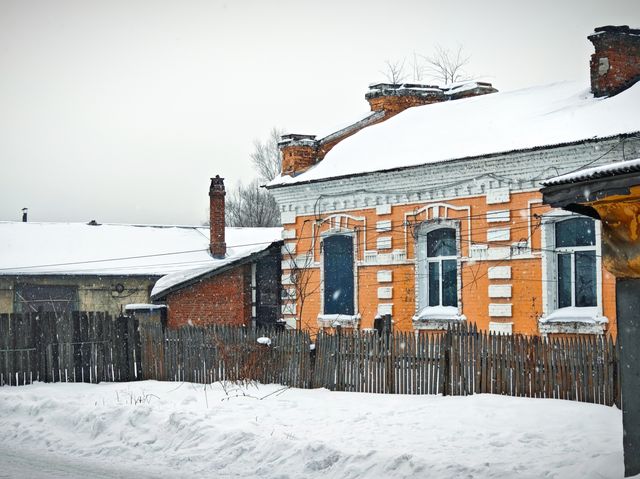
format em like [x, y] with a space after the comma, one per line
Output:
[222, 299]
[622, 53]
[297, 158]
[526, 274]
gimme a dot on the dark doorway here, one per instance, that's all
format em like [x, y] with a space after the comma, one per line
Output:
[268, 272]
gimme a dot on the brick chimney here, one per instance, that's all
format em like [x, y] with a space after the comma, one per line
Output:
[300, 152]
[393, 98]
[217, 246]
[615, 65]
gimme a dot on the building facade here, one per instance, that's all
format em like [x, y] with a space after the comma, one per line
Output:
[198, 275]
[434, 215]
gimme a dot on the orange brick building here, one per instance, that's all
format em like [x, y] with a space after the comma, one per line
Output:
[428, 207]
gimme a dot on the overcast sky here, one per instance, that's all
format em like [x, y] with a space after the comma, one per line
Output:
[120, 111]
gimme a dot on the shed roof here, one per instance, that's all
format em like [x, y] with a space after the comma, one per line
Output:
[596, 172]
[119, 249]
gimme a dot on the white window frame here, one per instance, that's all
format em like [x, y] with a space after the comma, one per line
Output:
[422, 318]
[344, 320]
[591, 321]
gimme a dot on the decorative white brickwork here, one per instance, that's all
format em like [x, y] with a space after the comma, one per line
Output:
[498, 216]
[385, 292]
[478, 251]
[498, 195]
[385, 276]
[500, 272]
[383, 209]
[424, 183]
[382, 226]
[288, 234]
[499, 253]
[500, 291]
[500, 310]
[499, 234]
[288, 248]
[383, 242]
[501, 328]
[288, 217]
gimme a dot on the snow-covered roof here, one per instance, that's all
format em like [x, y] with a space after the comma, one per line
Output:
[171, 281]
[489, 124]
[117, 249]
[144, 307]
[603, 171]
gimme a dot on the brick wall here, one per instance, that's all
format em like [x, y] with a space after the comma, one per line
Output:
[297, 158]
[221, 299]
[615, 65]
[525, 280]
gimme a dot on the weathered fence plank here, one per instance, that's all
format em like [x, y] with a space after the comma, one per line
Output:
[94, 347]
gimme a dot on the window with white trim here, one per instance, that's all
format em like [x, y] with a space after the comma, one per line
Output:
[338, 290]
[338, 275]
[440, 256]
[575, 251]
[437, 274]
[572, 276]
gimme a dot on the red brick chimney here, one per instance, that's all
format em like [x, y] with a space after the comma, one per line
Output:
[615, 65]
[301, 152]
[394, 98]
[217, 246]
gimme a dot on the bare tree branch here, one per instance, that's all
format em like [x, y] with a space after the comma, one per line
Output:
[447, 66]
[417, 67]
[394, 71]
[300, 276]
[251, 205]
[266, 156]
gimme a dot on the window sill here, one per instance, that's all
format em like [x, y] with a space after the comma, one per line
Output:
[573, 320]
[437, 318]
[342, 320]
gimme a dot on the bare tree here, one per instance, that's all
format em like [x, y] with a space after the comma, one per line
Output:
[447, 66]
[300, 278]
[394, 71]
[417, 67]
[251, 205]
[266, 156]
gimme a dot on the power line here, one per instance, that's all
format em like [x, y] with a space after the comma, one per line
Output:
[511, 224]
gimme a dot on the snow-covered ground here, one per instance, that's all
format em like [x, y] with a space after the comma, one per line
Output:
[153, 429]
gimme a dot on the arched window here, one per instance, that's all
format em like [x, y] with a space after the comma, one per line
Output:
[575, 250]
[437, 268]
[442, 267]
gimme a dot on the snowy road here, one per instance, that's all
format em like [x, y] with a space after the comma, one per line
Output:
[161, 430]
[19, 463]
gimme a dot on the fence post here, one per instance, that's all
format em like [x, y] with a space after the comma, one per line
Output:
[390, 350]
[446, 367]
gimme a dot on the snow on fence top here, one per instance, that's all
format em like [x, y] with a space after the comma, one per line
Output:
[501, 122]
[116, 249]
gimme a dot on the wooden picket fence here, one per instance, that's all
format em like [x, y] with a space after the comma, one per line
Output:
[94, 347]
[81, 347]
[218, 353]
[464, 361]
